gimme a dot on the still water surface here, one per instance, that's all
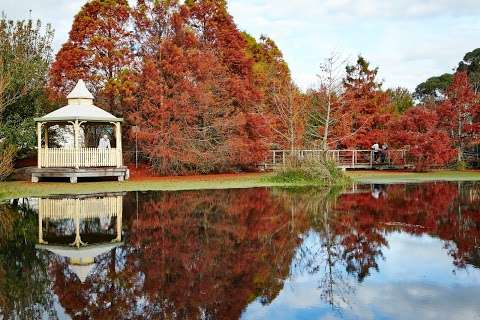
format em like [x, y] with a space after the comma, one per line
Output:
[373, 252]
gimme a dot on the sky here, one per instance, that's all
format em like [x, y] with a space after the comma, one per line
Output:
[409, 40]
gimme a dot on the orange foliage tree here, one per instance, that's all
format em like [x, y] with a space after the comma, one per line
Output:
[418, 132]
[98, 50]
[363, 110]
[194, 97]
[180, 72]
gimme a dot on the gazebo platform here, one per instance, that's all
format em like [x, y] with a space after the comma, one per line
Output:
[121, 173]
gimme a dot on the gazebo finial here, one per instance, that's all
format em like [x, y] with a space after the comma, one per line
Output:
[80, 95]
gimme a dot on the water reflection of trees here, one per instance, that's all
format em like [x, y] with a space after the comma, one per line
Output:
[209, 254]
[24, 282]
[445, 211]
[188, 255]
[349, 232]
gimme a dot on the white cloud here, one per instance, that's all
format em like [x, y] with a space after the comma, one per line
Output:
[409, 40]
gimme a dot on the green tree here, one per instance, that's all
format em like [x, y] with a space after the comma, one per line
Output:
[471, 64]
[434, 88]
[401, 99]
[25, 55]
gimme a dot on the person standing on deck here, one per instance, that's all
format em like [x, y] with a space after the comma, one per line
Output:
[375, 150]
[384, 152]
[104, 142]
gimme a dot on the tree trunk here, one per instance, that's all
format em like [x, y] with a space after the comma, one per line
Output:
[327, 123]
[460, 148]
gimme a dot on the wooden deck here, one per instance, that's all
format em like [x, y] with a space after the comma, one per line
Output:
[121, 173]
[345, 159]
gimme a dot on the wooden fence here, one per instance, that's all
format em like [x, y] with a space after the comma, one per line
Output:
[348, 159]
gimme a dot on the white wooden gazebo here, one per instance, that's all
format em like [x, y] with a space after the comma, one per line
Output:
[75, 160]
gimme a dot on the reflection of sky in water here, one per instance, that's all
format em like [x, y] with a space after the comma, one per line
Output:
[416, 280]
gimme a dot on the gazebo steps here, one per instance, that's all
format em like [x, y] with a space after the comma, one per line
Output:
[121, 173]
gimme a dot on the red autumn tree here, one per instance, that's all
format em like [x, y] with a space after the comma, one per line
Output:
[234, 90]
[98, 50]
[417, 131]
[363, 110]
[194, 97]
[460, 114]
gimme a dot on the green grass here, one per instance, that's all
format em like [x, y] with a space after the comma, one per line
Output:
[18, 189]
[390, 177]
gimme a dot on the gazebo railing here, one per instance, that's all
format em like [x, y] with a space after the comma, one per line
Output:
[58, 209]
[83, 158]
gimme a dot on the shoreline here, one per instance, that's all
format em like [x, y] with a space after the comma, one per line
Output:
[20, 189]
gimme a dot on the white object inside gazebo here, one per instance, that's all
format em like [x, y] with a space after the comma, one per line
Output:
[75, 160]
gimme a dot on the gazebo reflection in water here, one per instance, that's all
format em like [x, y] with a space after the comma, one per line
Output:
[80, 228]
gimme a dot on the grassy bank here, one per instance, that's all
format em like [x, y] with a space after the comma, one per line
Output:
[16, 189]
[390, 177]
[25, 189]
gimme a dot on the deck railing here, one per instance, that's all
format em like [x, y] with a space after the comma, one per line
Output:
[82, 158]
[344, 158]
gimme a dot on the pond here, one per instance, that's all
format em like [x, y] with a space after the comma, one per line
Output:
[372, 252]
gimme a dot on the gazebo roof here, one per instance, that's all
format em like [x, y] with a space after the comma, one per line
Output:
[80, 107]
[90, 251]
[80, 91]
[81, 260]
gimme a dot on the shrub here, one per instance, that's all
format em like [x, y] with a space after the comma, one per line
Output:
[310, 171]
[7, 156]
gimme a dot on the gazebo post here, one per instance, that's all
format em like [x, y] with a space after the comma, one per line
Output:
[118, 137]
[119, 206]
[77, 149]
[39, 144]
[46, 136]
[78, 240]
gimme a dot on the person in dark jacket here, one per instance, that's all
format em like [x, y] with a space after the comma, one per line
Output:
[384, 153]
